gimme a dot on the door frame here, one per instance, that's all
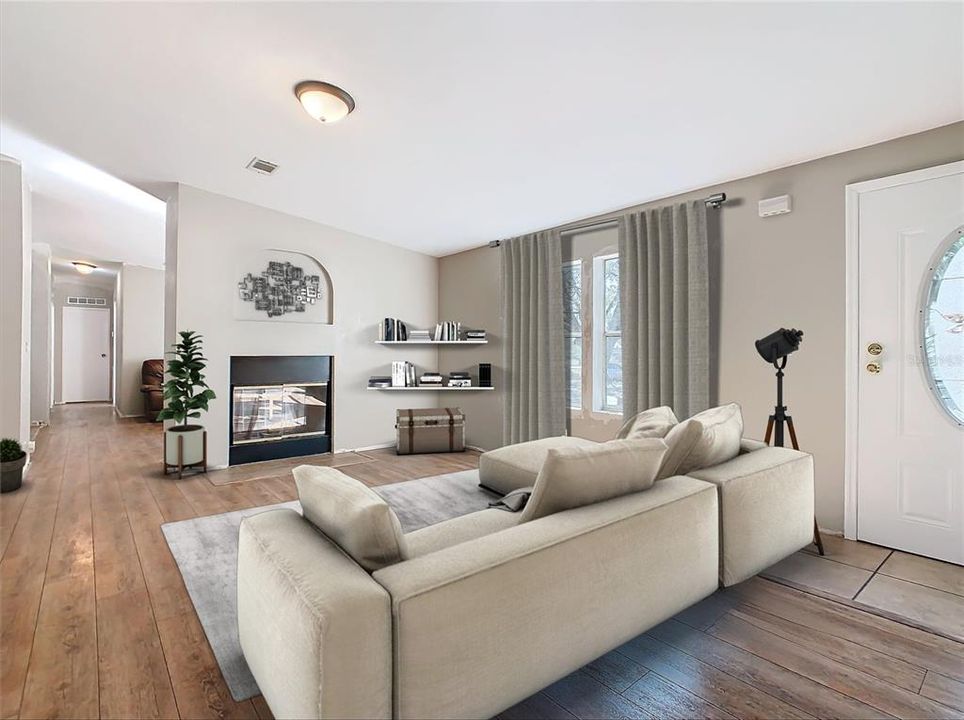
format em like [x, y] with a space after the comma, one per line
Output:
[852, 349]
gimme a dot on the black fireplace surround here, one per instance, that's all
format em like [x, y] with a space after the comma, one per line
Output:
[280, 407]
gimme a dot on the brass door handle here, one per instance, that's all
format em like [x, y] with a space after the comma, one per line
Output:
[873, 368]
[875, 348]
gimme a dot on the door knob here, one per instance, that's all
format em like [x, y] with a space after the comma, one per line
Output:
[873, 368]
[103, 354]
[875, 348]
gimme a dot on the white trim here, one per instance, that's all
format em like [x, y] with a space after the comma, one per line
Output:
[599, 334]
[852, 195]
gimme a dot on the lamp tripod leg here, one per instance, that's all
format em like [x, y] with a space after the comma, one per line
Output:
[769, 433]
[817, 540]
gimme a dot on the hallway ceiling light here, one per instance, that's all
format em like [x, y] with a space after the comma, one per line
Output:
[324, 102]
[84, 268]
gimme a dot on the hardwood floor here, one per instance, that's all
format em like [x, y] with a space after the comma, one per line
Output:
[95, 620]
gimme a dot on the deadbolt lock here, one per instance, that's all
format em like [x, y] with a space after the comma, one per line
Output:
[873, 368]
[875, 348]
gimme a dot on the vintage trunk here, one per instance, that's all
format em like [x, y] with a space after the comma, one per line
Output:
[430, 430]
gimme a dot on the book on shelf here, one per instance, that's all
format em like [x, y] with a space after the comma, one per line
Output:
[475, 334]
[448, 331]
[403, 374]
[460, 382]
[392, 329]
[380, 381]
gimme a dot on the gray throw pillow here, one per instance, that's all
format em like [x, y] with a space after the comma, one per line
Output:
[653, 423]
[706, 439]
[352, 515]
[573, 477]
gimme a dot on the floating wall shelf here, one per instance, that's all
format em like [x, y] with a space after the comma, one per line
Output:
[431, 342]
[428, 388]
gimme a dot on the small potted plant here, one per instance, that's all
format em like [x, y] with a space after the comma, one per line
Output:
[12, 460]
[185, 395]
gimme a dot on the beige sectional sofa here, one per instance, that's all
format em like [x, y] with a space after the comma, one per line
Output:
[470, 616]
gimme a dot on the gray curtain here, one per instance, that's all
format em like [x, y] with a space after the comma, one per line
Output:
[534, 356]
[664, 308]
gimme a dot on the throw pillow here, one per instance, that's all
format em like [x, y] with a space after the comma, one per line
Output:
[652, 423]
[352, 515]
[573, 477]
[706, 439]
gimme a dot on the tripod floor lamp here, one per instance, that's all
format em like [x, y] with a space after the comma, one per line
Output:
[775, 348]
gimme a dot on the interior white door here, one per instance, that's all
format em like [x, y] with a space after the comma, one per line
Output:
[85, 354]
[910, 442]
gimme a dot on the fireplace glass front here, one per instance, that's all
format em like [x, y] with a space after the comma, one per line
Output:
[267, 413]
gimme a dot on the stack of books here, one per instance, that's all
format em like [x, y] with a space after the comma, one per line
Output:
[403, 374]
[460, 379]
[448, 331]
[392, 329]
[430, 378]
[380, 381]
[475, 334]
[419, 335]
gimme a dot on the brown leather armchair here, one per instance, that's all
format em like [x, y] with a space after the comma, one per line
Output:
[152, 388]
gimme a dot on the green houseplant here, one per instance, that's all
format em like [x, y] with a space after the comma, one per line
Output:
[186, 394]
[12, 460]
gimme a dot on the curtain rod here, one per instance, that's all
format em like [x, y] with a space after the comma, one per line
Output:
[715, 201]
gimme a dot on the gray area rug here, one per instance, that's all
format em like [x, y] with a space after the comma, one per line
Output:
[206, 552]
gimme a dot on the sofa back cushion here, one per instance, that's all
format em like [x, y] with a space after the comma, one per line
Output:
[573, 477]
[653, 423]
[706, 439]
[352, 515]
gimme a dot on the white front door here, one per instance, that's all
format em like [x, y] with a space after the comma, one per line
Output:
[910, 389]
[86, 354]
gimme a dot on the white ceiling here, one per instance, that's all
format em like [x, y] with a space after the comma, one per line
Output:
[84, 212]
[474, 121]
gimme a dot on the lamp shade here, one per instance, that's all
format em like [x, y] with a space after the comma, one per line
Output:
[324, 102]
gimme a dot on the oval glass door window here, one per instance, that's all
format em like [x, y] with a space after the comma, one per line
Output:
[943, 327]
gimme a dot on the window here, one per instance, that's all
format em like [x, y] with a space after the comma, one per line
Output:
[572, 319]
[607, 336]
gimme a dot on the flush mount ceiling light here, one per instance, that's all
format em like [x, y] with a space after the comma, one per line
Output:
[324, 102]
[84, 268]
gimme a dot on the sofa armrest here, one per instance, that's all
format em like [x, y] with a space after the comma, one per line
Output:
[748, 445]
[521, 608]
[314, 627]
[766, 509]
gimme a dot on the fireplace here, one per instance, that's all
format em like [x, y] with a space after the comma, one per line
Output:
[280, 407]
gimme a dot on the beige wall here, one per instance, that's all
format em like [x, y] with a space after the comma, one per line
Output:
[74, 284]
[782, 271]
[140, 332]
[15, 279]
[210, 238]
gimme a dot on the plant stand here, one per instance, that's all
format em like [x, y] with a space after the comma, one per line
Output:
[180, 466]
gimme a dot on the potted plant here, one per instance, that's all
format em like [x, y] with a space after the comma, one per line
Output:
[185, 395]
[12, 460]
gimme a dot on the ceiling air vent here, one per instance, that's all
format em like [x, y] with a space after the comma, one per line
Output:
[261, 166]
[72, 300]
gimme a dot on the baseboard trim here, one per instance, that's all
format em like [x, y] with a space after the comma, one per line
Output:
[382, 446]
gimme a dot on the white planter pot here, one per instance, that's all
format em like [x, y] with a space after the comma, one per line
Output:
[190, 438]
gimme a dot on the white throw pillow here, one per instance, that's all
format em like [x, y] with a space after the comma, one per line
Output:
[573, 477]
[706, 439]
[352, 515]
[653, 423]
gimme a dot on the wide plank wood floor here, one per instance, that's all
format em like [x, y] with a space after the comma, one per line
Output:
[95, 620]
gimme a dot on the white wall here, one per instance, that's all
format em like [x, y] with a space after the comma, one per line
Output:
[14, 302]
[139, 333]
[208, 239]
[41, 334]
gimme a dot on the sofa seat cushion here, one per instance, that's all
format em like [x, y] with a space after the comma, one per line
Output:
[517, 466]
[458, 530]
[578, 476]
[352, 515]
[766, 509]
[706, 439]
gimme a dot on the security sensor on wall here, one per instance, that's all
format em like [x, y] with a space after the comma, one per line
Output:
[775, 206]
